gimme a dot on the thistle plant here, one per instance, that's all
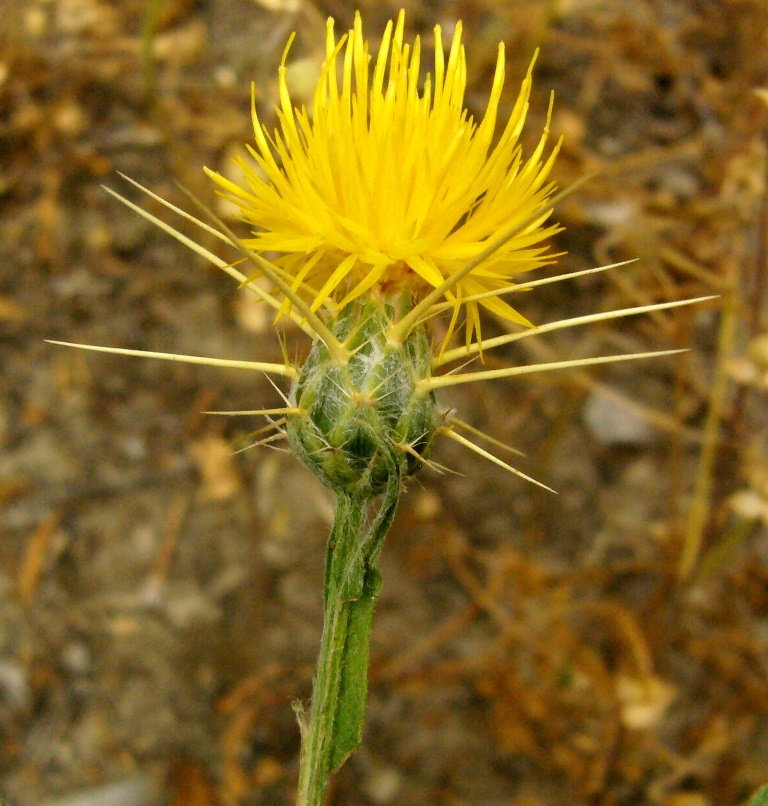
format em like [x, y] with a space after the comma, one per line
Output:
[387, 207]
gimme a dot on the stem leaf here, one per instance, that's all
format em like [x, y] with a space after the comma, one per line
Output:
[353, 686]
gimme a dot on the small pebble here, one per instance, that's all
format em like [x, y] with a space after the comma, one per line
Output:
[383, 785]
[76, 658]
[613, 422]
[139, 791]
[14, 686]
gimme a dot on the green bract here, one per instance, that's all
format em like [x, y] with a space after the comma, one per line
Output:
[358, 420]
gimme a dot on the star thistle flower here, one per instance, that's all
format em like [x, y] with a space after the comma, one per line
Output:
[387, 207]
[391, 184]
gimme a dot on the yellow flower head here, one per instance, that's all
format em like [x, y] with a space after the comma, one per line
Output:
[388, 184]
[392, 197]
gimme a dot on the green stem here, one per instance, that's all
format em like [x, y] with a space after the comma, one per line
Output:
[340, 686]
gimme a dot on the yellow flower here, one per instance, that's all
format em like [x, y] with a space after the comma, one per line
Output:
[390, 184]
[390, 196]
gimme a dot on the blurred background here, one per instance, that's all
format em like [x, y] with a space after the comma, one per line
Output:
[160, 594]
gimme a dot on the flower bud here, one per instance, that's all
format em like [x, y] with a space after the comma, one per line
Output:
[362, 421]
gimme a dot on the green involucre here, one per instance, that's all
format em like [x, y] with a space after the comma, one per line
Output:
[353, 417]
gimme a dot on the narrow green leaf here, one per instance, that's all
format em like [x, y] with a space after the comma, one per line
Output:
[353, 689]
[760, 798]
